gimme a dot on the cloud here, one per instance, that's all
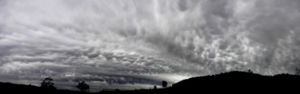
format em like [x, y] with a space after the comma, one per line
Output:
[18, 66]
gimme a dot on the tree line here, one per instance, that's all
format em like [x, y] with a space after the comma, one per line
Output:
[47, 83]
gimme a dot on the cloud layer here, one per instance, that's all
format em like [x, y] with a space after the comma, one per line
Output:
[138, 43]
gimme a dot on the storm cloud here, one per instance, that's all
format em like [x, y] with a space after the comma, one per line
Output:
[137, 43]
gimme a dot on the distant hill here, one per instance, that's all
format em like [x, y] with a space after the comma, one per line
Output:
[231, 82]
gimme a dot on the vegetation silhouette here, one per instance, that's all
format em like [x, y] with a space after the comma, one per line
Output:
[155, 87]
[231, 82]
[48, 84]
[164, 84]
[83, 87]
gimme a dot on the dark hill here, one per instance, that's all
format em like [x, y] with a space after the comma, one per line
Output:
[232, 82]
[238, 81]
[8, 88]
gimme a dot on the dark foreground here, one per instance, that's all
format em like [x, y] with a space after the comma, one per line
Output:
[233, 82]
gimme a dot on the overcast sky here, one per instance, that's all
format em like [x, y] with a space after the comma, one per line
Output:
[138, 43]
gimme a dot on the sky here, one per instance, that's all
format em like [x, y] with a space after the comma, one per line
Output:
[133, 44]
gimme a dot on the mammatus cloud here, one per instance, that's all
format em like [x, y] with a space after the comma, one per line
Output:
[138, 43]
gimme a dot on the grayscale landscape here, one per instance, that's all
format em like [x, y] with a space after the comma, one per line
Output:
[137, 44]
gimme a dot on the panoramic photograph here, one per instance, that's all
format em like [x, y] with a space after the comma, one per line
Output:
[147, 46]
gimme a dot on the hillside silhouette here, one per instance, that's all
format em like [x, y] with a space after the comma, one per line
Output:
[238, 81]
[231, 82]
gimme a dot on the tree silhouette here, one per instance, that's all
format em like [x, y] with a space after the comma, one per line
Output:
[47, 83]
[83, 87]
[250, 71]
[164, 84]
